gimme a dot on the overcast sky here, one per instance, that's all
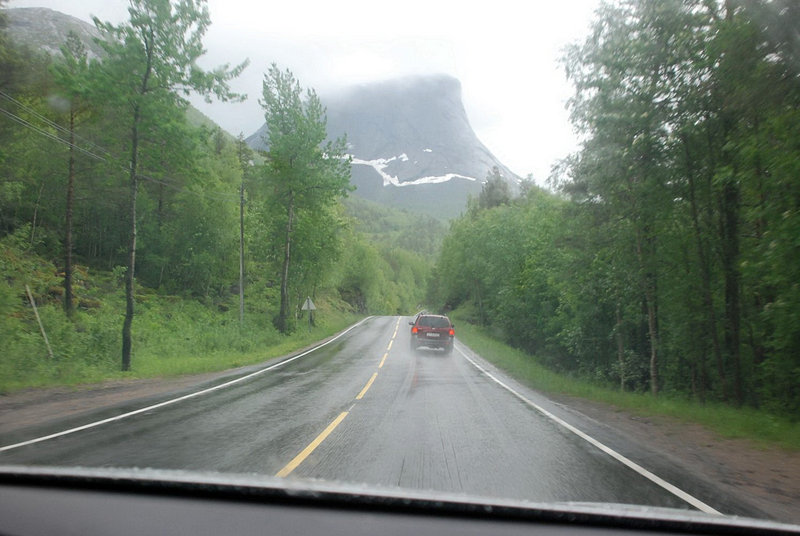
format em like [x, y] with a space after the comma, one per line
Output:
[504, 52]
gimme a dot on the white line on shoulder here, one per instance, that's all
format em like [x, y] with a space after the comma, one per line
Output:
[697, 503]
[179, 399]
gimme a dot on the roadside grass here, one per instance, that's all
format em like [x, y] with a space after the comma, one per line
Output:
[213, 346]
[172, 336]
[763, 429]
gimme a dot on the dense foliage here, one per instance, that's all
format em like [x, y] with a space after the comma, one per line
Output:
[667, 259]
[304, 175]
[85, 145]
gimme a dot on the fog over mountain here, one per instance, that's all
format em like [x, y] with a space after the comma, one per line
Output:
[411, 143]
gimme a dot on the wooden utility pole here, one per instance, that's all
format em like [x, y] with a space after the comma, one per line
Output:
[241, 253]
[245, 162]
[69, 306]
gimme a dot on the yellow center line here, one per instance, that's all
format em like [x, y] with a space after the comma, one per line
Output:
[292, 465]
[366, 387]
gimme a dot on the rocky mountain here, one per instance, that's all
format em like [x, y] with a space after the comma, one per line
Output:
[411, 143]
[45, 29]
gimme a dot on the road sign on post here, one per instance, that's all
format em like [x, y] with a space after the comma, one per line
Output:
[308, 305]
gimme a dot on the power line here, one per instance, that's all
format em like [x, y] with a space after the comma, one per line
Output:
[231, 198]
[48, 121]
[39, 130]
[31, 111]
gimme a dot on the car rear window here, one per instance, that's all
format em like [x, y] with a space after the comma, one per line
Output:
[434, 322]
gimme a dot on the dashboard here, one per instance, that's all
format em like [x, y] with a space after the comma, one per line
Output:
[36, 501]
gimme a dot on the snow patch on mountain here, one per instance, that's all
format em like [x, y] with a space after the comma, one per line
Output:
[380, 165]
[437, 179]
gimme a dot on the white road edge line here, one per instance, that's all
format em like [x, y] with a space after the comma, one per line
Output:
[179, 399]
[697, 503]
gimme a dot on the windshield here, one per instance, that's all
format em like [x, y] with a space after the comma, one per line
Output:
[434, 322]
[218, 219]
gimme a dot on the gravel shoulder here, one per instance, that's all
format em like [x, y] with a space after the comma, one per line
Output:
[34, 407]
[768, 478]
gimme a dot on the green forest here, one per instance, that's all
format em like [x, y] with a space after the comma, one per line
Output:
[142, 229]
[664, 259]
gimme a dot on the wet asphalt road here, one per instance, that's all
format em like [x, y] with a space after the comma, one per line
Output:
[366, 409]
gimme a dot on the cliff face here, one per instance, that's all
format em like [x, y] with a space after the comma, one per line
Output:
[46, 30]
[411, 142]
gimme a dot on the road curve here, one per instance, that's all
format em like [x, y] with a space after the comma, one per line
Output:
[366, 409]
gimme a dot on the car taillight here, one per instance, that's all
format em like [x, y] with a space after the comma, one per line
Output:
[452, 332]
[414, 329]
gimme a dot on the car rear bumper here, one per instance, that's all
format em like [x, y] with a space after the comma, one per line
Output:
[444, 342]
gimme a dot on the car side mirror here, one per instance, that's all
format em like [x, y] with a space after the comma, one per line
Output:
[411, 323]
[452, 325]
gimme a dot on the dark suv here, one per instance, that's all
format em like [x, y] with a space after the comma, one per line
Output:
[433, 331]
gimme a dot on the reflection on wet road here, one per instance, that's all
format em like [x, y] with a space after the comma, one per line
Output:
[366, 409]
